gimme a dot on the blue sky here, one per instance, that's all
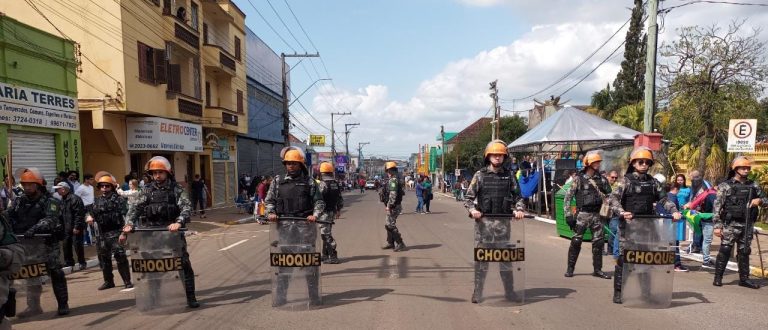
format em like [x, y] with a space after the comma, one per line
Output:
[403, 68]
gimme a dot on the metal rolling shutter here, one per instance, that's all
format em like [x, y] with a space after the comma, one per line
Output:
[34, 150]
[219, 183]
[233, 180]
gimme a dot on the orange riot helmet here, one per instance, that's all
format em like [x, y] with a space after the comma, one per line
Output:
[495, 147]
[741, 161]
[592, 157]
[157, 163]
[326, 167]
[106, 177]
[390, 165]
[32, 175]
[640, 153]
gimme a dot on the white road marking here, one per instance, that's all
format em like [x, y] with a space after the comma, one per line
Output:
[127, 290]
[233, 245]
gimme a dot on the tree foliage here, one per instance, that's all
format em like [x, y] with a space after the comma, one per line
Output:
[470, 151]
[629, 85]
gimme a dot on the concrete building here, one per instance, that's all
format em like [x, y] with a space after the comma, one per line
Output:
[156, 77]
[39, 124]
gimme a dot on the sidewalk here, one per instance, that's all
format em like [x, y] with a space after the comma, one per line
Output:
[754, 258]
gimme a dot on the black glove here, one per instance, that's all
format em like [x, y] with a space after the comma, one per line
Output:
[571, 221]
[30, 233]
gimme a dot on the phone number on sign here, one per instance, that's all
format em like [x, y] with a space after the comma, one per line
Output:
[142, 146]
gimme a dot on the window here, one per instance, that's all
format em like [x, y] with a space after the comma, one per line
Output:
[237, 49]
[205, 33]
[207, 94]
[239, 101]
[152, 64]
[193, 16]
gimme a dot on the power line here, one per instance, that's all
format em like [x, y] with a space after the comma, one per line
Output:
[593, 70]
[270, 26]
[668, 9]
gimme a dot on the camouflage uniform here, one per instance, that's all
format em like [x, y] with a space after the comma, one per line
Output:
[392, 197]
[159, 205]
[331, 191]
[42, 216]
[589, 192]
[489, 197]
[299, 197]
[108, 214]
[645, 186]
[11, 257]
[735, 218]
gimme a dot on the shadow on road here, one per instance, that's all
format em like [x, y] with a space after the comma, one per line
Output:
[232, 298]
[677, 296]
[445, 299]
[423, 247]
[363, 258]
[535, 295]
[353, 296]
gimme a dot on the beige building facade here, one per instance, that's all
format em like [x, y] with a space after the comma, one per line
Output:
[156, 77]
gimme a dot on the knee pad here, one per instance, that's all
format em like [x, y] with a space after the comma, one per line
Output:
[576, 241]
[747, 250]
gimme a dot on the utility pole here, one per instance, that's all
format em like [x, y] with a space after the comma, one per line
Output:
[650, 67]
[286, 114]
[346, 141]
[495, 122]
[442, 154]
[333, 137]
[360, 154]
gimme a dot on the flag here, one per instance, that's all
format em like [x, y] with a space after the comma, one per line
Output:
[528, 184]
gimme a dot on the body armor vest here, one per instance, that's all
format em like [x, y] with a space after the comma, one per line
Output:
[161, 207]
[331, 195]
[294, 198]
[737, 199]
[588, 197]
[107, 213]
[496, 192]
[639, 195]
[29, 213]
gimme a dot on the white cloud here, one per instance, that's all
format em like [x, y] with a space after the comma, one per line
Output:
[564, 34]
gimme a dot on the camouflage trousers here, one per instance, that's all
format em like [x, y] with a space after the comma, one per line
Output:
[326, 234]
[591, 220]
[392, 215]
[738, 233]
[493, 233]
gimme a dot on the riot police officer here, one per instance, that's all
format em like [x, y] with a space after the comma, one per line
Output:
[493, 190]
[331, 191]
[37, 212]
[108, 212]
[392, 197]
[735, 210]
[635, 195]
[295, 194]
[11, 256]
[590, 189]
[163, 203]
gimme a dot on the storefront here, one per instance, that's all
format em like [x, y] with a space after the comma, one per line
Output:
[222, 151]
[180, 142]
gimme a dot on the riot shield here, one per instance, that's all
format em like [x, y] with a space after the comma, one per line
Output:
[649, 257]
[156, 263]
[294, 255]
[499, 257]
[35, 257]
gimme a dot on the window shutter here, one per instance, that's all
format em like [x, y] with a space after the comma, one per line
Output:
[240, 101]
[160, 66]
[174, 78]
[237, 48]
[142, 61]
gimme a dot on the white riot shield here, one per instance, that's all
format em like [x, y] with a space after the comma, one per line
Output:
[34, 265]
[294, 255]
[499, 257]
[649, 257]
[156, 263]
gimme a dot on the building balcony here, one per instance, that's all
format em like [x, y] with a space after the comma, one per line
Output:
[229, 119]
[185, 104]
[186, 35]
[219, 60]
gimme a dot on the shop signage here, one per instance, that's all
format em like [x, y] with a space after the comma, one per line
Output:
[154, 133]
[33, 107]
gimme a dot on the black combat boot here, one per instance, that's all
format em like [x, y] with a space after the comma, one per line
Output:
[617, 277]
[390, 239]
[333, 258]
[743, 261]
[573, 255]
[125, 273]
[720, 263]
[59, 283]
[188, 277]
[507, 279]
[481, 269]
[398, 238]
[597, 261]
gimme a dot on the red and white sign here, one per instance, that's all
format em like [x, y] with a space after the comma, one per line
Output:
[741, 135]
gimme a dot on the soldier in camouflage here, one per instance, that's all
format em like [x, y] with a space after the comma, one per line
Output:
[590, 189]
[391, 195]
[108, 215]
[331, 192]
[295, 194]
[635, 195]
[164, 203]
[37, 212]
[735, 210]
[493, 191]
[11, 257]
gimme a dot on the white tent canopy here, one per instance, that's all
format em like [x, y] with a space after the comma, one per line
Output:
[571, 129]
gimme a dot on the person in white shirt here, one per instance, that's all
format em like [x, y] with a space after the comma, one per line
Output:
[86, 193]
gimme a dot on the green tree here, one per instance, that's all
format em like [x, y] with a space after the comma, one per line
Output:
[708, 77]
[602, 101]
[629, 85]
[630, 116]
[470, 151]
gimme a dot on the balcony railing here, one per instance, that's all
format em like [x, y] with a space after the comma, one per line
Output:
[226, 61]
[229, 118]
[190, 108]
[187, 36]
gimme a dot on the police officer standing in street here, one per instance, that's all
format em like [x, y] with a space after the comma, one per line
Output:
[108, 213]
[295, 194]
[331, 191]
[635, 195]
[163, 203]
[493, 190]
[735, 211]
[37, 212]
[11, 256]
[590, 189]
[392, 197]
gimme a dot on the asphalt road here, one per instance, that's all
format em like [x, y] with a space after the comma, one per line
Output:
[426, 287]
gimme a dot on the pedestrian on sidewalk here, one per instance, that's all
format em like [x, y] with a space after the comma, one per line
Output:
[672, 189]
[419, 196]
[698, 186]
[735, 212]
[590, 189]
[198, 195]
[703, 204]
[108, 215]
[73, 216]
[427, 189]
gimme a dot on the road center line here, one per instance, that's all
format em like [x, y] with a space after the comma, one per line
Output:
[233, 245]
